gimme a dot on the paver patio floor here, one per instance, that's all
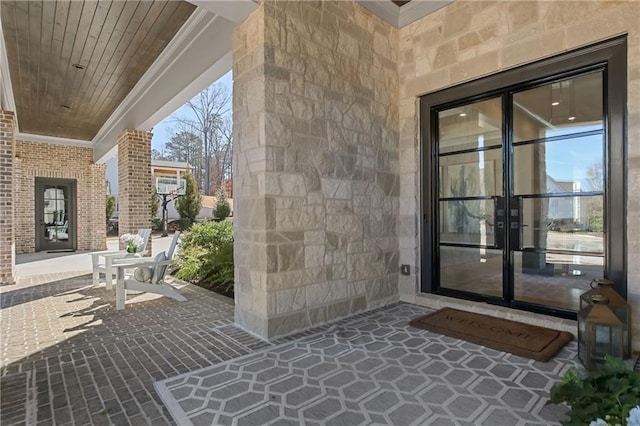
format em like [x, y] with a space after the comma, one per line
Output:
[371, 369]
[68, 357]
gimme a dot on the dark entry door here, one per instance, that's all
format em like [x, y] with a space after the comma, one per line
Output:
[55, 214]
[470, 196]
[523, 195]
[558, 190]
[543, 147]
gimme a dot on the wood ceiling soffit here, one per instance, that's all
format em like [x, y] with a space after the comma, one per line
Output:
[114, 41]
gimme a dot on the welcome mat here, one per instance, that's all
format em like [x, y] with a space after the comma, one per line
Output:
[529, 341]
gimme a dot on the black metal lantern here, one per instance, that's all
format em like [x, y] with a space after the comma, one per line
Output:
[603, 288]
[604, 324]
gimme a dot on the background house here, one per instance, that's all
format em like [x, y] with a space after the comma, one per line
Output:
[173, 169]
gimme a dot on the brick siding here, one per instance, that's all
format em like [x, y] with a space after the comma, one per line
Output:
[7, 237]
[65, 162]
[134, 181]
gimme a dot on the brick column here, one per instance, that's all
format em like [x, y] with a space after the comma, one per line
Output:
[7, 232]
[134, 182]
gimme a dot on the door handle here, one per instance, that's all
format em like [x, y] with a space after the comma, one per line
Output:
[515, 208]
[499, 220]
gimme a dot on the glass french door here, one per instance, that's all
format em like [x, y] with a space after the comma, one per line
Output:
[55, 214]
[470, 197]
[521, 193]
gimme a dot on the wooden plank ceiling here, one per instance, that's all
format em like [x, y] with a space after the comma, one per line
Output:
[73, 62]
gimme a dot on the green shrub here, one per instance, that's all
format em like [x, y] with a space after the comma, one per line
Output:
[188, 205]
[184, 223]
[207, 234]
[222, 210]
[608, 394]
[217, 270]
[110, 207]
[155, 202]
[596, 223]
[189, 262]
[206, 256]
[156, 224]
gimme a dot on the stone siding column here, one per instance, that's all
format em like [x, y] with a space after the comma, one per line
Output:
[316, 182]
[250, 210]
[7, 229]
[134, 182]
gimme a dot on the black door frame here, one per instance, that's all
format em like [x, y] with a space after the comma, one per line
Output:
[72, 242]
[610, 56]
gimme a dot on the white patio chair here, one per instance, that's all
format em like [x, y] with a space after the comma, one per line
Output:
[101, 260]
[148, 275]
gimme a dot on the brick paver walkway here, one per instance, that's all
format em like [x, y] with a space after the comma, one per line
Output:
[68, 357]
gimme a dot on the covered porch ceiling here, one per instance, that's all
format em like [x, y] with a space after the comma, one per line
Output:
[81, 72]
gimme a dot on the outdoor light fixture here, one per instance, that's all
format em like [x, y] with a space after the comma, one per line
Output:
[604, 324]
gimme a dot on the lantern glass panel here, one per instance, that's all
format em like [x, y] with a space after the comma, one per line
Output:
[607, 341]
[582, 336]
[600, 333]
[603, 292]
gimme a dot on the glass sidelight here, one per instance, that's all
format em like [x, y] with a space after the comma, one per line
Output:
[55, 214]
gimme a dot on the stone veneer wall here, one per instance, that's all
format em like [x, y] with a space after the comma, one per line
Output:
[466, 40]
[134, 182]
[65, 162]
[316, 149]
[7, 230]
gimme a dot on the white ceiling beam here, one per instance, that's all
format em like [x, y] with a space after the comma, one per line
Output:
[232, 10]
[198, 55]
[416, 9]
[31, 137]
[404, 15]
[385, 9]
[216, 71]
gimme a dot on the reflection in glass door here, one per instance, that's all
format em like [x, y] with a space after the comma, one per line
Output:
[544, 242]
[558, 190]
[55, 214]
[470, 197]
